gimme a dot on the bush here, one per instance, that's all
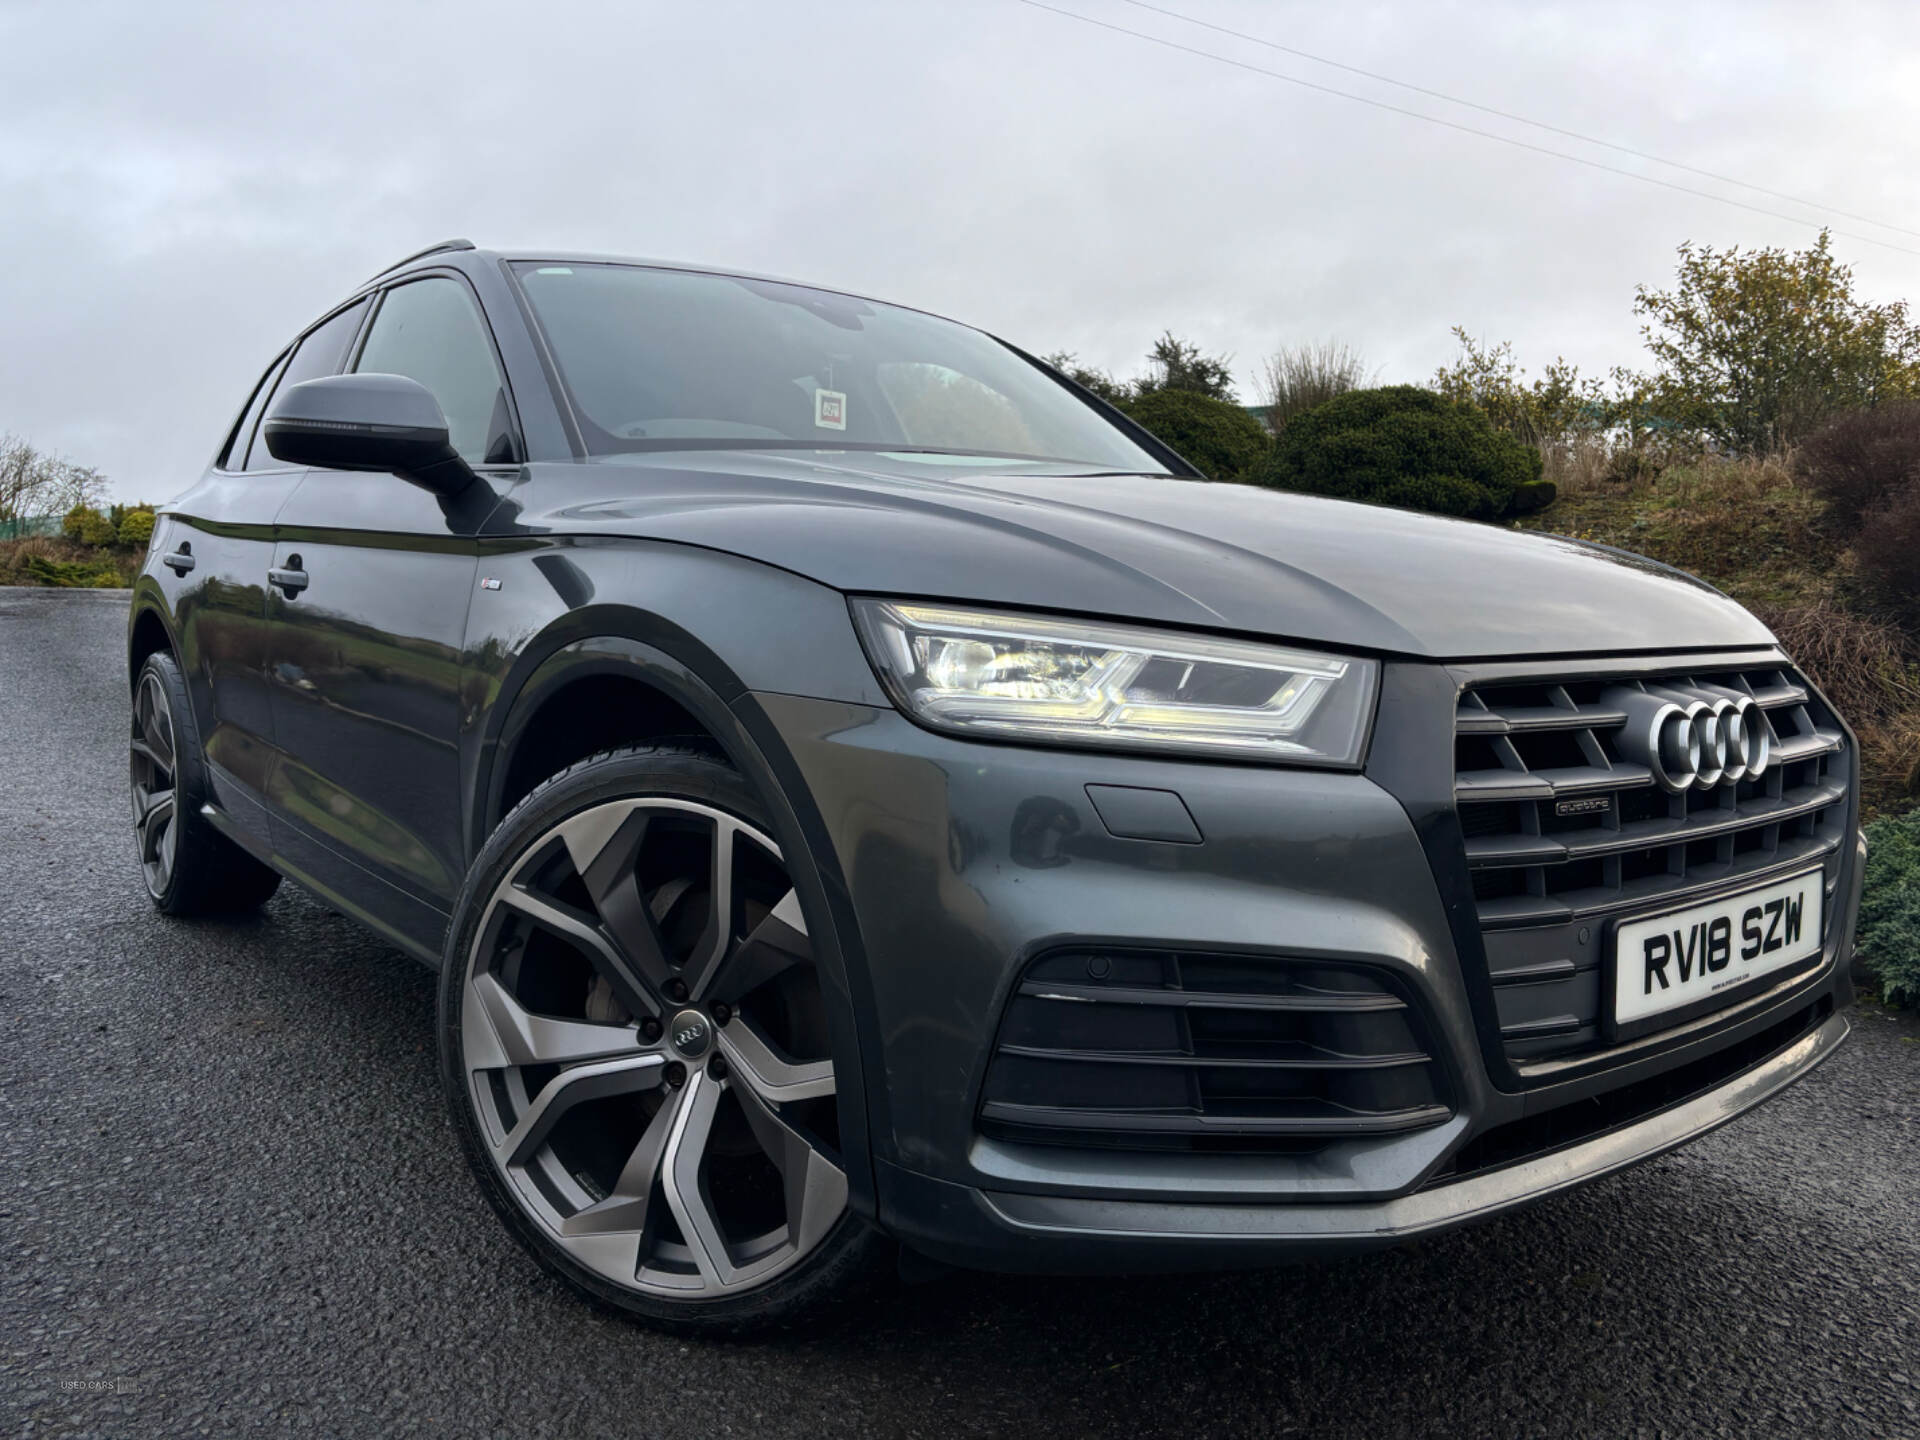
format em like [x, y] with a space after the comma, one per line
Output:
[136, 529]
[1887, 552]
[1221, 439]
[1863, 458]
[74, 522]
[1889, 936]
[1403, 446]
[96, 529]
[71, 574]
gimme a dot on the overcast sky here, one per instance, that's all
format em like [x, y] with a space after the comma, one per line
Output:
[183, 186]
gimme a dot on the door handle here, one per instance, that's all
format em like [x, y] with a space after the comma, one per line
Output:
[290, 580]
[180, 561]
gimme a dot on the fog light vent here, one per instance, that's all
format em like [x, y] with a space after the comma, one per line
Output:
[1176, 1050]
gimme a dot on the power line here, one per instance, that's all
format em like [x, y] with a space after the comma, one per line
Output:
[1465, 129]
[1520, 119]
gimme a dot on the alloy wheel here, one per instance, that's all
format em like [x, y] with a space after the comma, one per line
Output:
[644, 1045]
[153, 770]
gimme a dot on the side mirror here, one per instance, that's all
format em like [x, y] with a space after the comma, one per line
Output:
[367, 422]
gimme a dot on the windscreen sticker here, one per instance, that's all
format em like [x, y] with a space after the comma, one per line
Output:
[830, 409]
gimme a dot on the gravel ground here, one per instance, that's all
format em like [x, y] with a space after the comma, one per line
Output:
[229, 1203]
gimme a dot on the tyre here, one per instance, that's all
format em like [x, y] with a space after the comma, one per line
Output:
[189, 867]
[635, 1049]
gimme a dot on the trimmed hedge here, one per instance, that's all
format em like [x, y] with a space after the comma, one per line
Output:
[1889, 935]
[1223, 441]
[1404, 446]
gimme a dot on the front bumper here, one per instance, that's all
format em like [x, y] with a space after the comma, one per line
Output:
[949, 865]
[1010, 1230]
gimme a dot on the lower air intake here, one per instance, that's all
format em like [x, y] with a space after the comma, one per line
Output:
[1176, 1050]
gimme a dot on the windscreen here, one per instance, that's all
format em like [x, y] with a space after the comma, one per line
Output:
[657, 359]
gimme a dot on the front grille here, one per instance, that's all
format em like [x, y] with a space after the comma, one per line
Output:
[1164, 1050]
[1566, 827]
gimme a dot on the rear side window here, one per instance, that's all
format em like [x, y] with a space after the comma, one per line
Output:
[235, 455]
[430, 331]
[323, 352]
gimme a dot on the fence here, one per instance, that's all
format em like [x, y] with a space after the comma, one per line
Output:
[19, 527]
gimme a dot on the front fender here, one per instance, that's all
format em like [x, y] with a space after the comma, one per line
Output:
[563, 611]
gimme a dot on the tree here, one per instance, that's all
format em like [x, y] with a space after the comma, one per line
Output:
[1173, 364]
[32, 483]
[1114, 392]
[1756, 348]
[1559, 407]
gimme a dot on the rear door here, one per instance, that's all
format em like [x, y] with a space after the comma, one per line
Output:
[214, 552]
[366, 627]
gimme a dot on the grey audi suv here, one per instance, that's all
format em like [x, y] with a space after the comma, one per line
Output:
[867, 800]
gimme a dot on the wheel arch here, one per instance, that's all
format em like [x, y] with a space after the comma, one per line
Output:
[618, 646]
[147, 633]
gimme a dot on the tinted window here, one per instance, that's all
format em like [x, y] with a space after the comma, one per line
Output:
[235, 454]
[653, 359]
[323, 352]
[430, 331]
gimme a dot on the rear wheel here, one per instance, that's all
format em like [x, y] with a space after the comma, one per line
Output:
[635, 1048]
[189, 867]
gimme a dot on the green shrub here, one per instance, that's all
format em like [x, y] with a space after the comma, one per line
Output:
[1403, 446]
[88, 526]
[71, 574]
[1532, 495]
[1223, 441]
[136, 529]
[1889, 936]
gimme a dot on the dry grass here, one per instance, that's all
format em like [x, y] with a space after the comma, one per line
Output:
[113, 567]
[1746, 526]
[1890, 766]
[1864, 665]
[1578, 464]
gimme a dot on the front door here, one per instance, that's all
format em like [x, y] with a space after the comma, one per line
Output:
[372, 579]
[215, 549]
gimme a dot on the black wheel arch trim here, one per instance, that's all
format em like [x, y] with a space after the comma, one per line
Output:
[149, 599]
[612, 640]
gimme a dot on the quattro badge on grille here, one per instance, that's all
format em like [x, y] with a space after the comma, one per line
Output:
[1591, 805]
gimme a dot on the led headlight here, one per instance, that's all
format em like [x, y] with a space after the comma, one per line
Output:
[989, 673]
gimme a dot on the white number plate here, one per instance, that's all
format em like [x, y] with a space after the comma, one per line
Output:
[1668, 961]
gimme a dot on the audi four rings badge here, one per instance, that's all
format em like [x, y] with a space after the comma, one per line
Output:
[1693, 736]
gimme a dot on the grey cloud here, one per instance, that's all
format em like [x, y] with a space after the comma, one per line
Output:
[184, 185]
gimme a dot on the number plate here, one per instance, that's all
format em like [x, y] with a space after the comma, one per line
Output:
[1674, 961]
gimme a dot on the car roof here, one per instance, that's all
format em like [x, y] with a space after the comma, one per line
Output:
[462, 252]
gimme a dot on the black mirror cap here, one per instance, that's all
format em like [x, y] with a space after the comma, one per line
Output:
[367, 422]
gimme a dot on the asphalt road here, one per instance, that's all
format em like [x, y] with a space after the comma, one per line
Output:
[229, 1203]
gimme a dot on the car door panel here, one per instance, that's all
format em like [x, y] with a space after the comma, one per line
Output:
[217, 598]
[366, 675]
[366, 629]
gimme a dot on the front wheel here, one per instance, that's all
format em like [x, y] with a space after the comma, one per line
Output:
[635, 1049]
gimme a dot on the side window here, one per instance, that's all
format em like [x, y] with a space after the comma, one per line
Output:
[321, 353]
[430, 331]
[234, 456]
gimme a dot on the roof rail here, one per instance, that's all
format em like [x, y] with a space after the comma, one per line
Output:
[422, 254]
